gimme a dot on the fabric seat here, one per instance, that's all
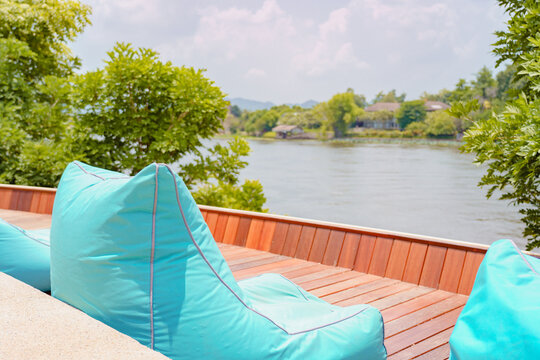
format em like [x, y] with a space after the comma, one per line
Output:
[25, 255]
[501, 319]
[135, 253]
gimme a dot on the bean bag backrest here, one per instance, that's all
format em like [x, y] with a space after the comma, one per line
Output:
[136, 254]
[25, 255]
[501, 319]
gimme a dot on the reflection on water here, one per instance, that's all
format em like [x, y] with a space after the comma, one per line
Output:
[419, 189]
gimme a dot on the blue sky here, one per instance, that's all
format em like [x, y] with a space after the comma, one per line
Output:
[292, 51]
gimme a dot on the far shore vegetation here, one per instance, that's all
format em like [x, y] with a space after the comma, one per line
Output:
[388, 115]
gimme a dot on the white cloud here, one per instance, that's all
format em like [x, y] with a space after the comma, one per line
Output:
[255, 73]
[305, 49]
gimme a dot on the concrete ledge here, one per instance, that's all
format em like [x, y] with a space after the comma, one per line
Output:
[34, 325]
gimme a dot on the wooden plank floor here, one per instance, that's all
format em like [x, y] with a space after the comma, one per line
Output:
[418, 320]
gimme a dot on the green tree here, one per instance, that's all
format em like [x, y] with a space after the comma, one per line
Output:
[340, 111]
[411, 111]
[508, 142]
[391, 96]
[235, 110]
[138, 109]
[34, 92]
[417, 128]
[484, 85]
[440, 124]
[359, 100]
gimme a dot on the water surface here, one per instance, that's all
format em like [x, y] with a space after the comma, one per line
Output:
[421, 189]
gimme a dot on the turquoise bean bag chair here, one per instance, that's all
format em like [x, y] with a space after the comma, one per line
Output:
[136, 254]
[501, 319]
[25, 255]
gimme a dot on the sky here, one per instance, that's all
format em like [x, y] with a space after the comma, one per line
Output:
[293, 51]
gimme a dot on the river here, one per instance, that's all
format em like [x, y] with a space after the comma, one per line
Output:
[420, 189]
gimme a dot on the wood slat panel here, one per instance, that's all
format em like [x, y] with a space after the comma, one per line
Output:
[340, 286]
[267, 234]
[415, 262]
[381, 254]
[468, 274]
[278, 240]
[304, 243]
[442, 352]
[349, 250]
[242, 233]
[423, 331]
[424, 347]
[254, 234]
[291, 241]
[398, 259]
[320, 242]
[348, 297]
[13, 205]
[433, 264]
[413, 305]
[451, 272]
[328, 280]
[333, 249]
[364, 253]
[221, 225]
[211, 221]
[317, 273]
[46, 203]
[380, 293]
[420, 316]
[231, 229]
[34, 205]
[5, 198]
[401, 297]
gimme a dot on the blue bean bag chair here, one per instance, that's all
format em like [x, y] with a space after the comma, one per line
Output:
[501, 319]
[136, 254]
[25, 255]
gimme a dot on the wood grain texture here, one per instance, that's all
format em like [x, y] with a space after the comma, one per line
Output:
[433, 264]
[305, 241]
[333, 249]
[221, 226]
[242, 233]
[468, 274]
[254, 234]
[415, 262]
[398, 259]
[278, 240]
[380, 257]
[291, 240]
[5, 198]
[347, 256]
[231, 229]
[364, 253]
[318, 248]
[451, 272]
[267, 234]
[211, 221]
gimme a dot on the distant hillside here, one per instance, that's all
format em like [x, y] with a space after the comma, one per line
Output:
[252, 105]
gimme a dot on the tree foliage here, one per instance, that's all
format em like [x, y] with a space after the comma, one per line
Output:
[508, 142]
[340, 111]
[135, 110]
[440, 124]
[411, 111]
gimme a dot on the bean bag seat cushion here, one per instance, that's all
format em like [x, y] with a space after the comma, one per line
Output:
[501, 319]
[25, 255]
[135, 253]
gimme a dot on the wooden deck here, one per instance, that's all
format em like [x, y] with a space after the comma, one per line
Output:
[418, 319]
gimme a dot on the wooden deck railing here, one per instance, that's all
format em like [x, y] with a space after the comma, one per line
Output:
[432, 262]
